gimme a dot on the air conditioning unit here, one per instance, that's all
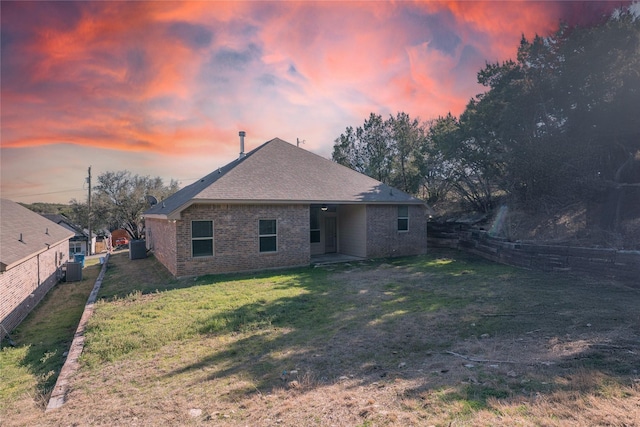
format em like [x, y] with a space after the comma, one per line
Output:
[74, 272]
[137, 249]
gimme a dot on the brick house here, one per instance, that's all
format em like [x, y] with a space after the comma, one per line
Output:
[33, 250]
[279, 206]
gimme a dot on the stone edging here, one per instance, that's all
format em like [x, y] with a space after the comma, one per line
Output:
[70, 366]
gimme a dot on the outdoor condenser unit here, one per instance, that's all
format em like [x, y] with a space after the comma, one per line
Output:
[74, 272]
[137, 249]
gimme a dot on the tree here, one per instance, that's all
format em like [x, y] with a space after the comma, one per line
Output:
[366, 149]
[466, 163]
[345, 151]
[79, 214]
[602, 82]
[408, 152]
[391, 151]
[375, 149]
[557, 123]
[436, 169]
[122, 198]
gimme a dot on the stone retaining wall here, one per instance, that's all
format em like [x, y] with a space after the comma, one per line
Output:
[610, 263]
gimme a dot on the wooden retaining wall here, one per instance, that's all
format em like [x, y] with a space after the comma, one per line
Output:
[610, 263]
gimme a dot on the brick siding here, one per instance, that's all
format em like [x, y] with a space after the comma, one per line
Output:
[383, 237]
[236, 239]
[161, 239]
[35, 276]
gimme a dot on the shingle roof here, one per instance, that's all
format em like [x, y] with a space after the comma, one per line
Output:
[37, 234]
[279, 172]
[66, 223]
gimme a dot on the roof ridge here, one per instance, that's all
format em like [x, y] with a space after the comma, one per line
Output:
[282, 172]
[193, 189]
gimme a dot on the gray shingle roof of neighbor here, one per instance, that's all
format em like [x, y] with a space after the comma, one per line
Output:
[38, 233]
[66, 223]
[279, 172]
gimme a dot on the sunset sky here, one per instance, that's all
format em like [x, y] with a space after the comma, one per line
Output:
[162, 88]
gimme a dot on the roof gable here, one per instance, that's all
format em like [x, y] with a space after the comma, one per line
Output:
[37, 232]
[66, 223]
[279, 172]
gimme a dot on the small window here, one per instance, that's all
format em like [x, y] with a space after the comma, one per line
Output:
[314, 225]
[75, 248]
[201, 238]
[268, 235]
[403, 218]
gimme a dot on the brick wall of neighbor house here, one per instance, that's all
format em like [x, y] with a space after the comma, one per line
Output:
[236, 240]
[383, 237]
[161, 239]
[35, 276]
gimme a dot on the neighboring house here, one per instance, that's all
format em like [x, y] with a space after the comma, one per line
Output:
[79, 243]
[32, 252]
[278, 206]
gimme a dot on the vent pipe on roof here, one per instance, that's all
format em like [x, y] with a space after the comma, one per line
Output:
[242, 134]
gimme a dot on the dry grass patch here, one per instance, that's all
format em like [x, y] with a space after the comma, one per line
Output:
[444, 339]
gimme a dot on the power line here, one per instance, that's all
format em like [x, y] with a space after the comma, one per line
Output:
[43, 194]
[76, 189]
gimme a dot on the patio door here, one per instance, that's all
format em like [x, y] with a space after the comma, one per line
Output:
[330, 235]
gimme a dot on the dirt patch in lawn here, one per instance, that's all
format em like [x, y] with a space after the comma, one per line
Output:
[445, 339]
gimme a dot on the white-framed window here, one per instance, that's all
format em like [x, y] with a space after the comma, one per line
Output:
[268, 235]
[201, 238]
[75, 247]
[403, 218]
[314, 225]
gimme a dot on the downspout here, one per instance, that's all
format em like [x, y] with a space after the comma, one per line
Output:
[38, 262]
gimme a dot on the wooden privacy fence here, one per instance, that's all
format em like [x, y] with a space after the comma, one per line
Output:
[611, 263]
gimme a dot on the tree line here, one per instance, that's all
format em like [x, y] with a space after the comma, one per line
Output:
[118, 201]
[560, 122]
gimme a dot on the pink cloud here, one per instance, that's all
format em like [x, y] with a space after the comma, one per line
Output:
[181, 78]
[117, 58]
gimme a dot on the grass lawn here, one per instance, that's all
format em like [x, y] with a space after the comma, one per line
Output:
[29, 371]
[444, 339]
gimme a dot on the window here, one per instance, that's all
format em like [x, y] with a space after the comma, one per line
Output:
[268, 235]
[403, 218]
[201, 238]
[75, 248]
[314, 225]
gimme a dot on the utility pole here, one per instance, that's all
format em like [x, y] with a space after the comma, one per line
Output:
[89, 215]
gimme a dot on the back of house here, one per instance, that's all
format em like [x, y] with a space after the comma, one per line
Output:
[279, 206]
